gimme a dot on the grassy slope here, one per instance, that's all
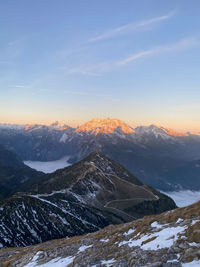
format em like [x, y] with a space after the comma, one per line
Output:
[114, 235]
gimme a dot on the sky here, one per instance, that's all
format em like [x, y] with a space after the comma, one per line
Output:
[75, 60]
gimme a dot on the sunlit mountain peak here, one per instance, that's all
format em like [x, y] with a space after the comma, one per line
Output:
[108, 125]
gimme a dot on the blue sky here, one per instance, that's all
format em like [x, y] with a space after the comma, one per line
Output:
[74, 60]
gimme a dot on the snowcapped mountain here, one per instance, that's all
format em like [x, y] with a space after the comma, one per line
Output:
[151, 152]
[78, 199]
[54, 126]
[158, 132]
[105, 126]
[11, 126]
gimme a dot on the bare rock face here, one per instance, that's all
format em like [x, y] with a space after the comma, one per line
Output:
[154, 241]
[76, 200]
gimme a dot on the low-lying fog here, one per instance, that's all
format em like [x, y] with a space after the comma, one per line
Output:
[48, 166]
[184, 198]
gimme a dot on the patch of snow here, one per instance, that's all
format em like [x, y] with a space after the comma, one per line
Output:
[194, 244]
[179, 220]
[48, 166]
[194, 222]
[156, 225]
[184, 198]
[130, 231]
[172, 261]
[104, 240]
[83, 248]
[58, 262]
[191, 264]
[108, 263]
[64, 138]
[33, 261]
[162, 239]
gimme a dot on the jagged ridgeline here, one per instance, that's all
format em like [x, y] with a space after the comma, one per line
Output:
[159, 156]
[82, 198]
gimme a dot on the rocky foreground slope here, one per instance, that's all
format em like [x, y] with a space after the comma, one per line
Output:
[82, 198]
[168, 239]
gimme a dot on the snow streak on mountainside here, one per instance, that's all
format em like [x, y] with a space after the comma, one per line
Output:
[75, 200]
[171, 239]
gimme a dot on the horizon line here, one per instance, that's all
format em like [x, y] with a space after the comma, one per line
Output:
[85, 121]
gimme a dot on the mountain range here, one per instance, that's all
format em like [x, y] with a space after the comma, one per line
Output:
[79, 199]
[160, 157]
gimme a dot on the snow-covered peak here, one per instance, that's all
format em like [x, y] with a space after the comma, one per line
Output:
[58, 126]
[172, 132]
[97, 126]
[30, 127]
[55, 124]
[194, 133]
[12, 126]
[158, 131]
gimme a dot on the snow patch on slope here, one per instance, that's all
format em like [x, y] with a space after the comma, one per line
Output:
[191, 264]
[58, 262]
[164, 238]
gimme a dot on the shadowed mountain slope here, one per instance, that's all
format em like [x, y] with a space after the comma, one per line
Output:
[78, 199]
[13, 172]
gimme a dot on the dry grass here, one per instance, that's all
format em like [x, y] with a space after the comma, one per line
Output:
[148, 240]
[115, 234]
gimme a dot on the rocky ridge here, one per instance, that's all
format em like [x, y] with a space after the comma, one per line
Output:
[82, 198]
[166, 240]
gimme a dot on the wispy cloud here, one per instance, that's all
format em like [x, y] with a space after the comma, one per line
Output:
[182, 44]
[130, 27]
[98, 69]
[82, 71]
